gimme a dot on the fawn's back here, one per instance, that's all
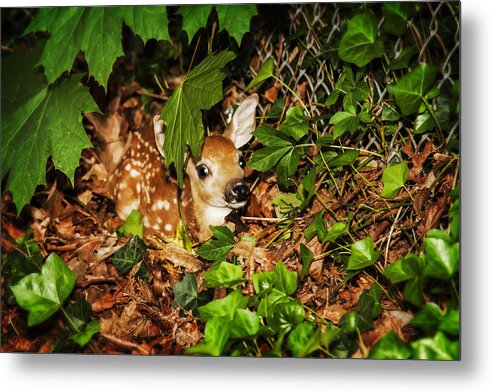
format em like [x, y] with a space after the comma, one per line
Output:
[213, 186]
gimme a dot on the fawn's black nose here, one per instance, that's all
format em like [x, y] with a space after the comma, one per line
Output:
[237, 191]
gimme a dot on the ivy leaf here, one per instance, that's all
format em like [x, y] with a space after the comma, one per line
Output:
[409, 269]
[396, 16]
[294, 124]
[244, 324]
[369, 307]
[284, 280]
[441, 255]
[428, 319]
[390, 347]
[438, 347]
[362, 254]
[265, 72]
[394, 178]
[304, 340]
[344, 121]
[423, 123]
[74, 29]
[186, 294]
[359, 44]
[200, 89]
[401, 62]
[336, 231]
[287, 315]
[225, 275]
[83, 337]
[307, 257]
[235, 19]
[133, 225]
[412, 87]
[262, 283]
[195, 17]
[129, 255]
[224, 307]
[404, 269]
[217, 332]
[78, 315]
[39, 122]
[42, 294]
[217, 249]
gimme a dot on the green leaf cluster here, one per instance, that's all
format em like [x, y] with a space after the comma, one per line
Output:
[233, 18]
[37, 122]
[281, 148]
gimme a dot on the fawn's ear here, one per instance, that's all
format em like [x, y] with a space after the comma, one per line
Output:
[243, 122]
[159, 130]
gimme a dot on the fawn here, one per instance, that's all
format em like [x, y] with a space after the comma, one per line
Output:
[213, 185]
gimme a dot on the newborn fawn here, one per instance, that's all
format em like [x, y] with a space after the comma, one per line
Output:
[213, 185]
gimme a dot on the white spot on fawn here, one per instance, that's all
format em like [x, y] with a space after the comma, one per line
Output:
[128, 167]
[163, 204]
[134, 173]
[168, 227]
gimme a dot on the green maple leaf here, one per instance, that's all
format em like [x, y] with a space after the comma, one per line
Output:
[200, 90]
[235, 19]
[195, 17]
[39, 122]
[97, 32]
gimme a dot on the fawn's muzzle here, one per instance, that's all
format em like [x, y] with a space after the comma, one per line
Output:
[236, 192]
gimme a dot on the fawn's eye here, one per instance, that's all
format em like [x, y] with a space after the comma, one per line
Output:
[202, 171]
[242, 162]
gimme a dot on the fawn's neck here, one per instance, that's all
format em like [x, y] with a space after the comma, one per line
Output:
[204, 215]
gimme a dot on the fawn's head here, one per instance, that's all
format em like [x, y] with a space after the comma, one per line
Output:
[216, 177]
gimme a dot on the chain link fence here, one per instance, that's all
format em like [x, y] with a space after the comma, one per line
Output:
[436, 42]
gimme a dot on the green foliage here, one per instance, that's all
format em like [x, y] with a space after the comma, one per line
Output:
[225, 275]
[390, 347]
[133, 225]
[129, 255]
[362, 254]
[233, 18]
[396, 16]
[199, 90]
[359, 44]
[186, 294]
[78, 316]
[194, 18]
[265, 72]
[74, 29]
[37, 120]
[441, 255]
[394, 178]
[409, 269]
[17, 263]
[217, 249]
[42, 294]
[410, 90]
